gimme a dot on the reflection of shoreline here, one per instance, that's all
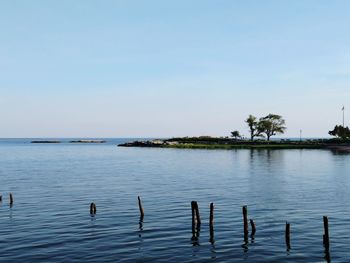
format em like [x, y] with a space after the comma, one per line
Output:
[339, 148]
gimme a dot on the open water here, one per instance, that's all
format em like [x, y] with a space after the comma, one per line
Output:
[54, 184]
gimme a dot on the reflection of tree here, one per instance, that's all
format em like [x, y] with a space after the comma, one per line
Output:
[340, 151]
[268, 156]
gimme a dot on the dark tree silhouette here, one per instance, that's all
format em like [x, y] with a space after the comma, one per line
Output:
[340, 132]
[235, 134]
[271, 125]
[254, 127]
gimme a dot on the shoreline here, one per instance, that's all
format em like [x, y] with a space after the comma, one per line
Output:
[228, 144]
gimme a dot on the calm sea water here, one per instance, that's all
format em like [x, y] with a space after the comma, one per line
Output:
[54, 184]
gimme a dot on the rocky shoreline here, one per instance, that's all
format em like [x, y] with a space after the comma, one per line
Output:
[227, 143]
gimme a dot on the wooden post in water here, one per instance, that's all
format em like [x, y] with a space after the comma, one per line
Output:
[92, 209]
[141, 209]
[211, 218]
[198, 218]
[326, 233]
[211, 223]
[252, 224]
[193, 219]
[287, 235]
[0, 198]
[11, 199]
[245, 220]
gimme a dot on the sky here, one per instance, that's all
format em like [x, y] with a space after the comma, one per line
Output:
[155, 68]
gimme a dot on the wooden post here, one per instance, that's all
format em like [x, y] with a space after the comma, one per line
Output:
[193, 219]
[198, 218]
[211, 218]
[11, 199]
[211, 223]
[287, 235]
[0, 198]
[252, 224]
[245, 220]
[92, 209]
[326, 233]
[141, 209]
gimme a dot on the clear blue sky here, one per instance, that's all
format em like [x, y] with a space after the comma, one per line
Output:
[171, 68]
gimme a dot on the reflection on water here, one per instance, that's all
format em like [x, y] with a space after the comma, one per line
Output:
[340, 151]
[52, 184]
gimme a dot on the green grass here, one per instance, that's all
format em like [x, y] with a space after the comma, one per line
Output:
[242, 146]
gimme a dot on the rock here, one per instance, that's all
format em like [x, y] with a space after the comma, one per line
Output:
[88, 141]
[45, 141]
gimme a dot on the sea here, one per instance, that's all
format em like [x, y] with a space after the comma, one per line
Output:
[53, 186]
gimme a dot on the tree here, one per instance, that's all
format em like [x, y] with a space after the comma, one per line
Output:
[340, 132]
[271, 125]
[254, 127]
[235, 134]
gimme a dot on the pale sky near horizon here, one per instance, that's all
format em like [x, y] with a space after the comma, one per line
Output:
[151, 68]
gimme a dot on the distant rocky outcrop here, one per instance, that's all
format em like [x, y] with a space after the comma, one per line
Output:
[152, 143]
[46, 141]
[88, 141]
[207, 142]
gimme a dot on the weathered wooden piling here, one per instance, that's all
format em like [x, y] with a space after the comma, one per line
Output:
[211, 217]
[11, 199]
[198, 218]
[193, 219]
[142, 214]
[245, 220]
[0, 198]
[326, 233]
[211, 223]
[287, 235]
[92, 209]
[252, 225]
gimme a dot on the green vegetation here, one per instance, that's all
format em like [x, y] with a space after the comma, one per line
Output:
[264, 127]
[236, 135]
[254, 127]
[340, 132]
[269, 125]
[205, 142]
[272, 125]
[243, 146]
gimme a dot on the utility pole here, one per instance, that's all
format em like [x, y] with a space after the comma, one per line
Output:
[343, 109]
[300, 133]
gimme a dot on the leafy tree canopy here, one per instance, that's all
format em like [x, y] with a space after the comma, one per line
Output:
[271, 125]
[235, 134]
[340, 132]
[254, 127]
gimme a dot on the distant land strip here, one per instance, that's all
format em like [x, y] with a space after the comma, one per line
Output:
[76, 141]
[227, 143]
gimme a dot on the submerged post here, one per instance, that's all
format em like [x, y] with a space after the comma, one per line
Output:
[245, 220]
[141, 208]
[287, 235]
[92, 209]
[193, 219]
[252, 224]
[11, 199]
[211, 223]
[198, 218]
[211, 218]
[326, 233]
